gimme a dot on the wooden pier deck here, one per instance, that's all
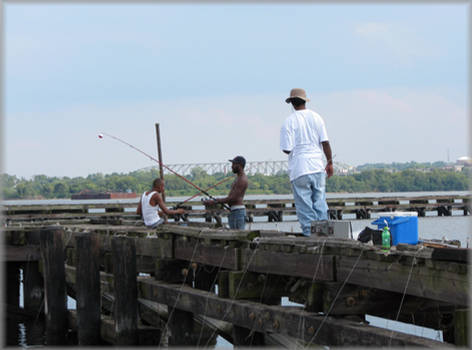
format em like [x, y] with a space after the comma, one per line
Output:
[274, 210]
[184, 284]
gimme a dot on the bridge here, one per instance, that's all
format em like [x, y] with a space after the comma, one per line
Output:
[252, 168]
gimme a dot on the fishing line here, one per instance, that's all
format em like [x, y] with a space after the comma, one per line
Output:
[228, 309]
[302, 316]
[184, 282]
[100, 135]
[209, 188]
[413, 263]
[335, 298]
[210, 291]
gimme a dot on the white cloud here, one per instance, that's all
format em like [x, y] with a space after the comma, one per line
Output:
[372, 29]
[364, 126]
[394, 39]
[369, 126]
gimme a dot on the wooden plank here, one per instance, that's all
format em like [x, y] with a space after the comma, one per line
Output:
[223, 257]
[426, 282]
[21, 253]
[277, 319]
[249, 285]
[312, 266]
[146, 335]
[451, 254]
[150, 247]
[205, 233]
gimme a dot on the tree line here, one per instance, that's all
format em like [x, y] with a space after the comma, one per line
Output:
[372, 180]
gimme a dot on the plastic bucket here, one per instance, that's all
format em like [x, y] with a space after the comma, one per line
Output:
[403, 226]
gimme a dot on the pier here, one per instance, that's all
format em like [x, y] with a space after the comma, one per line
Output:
[186, 283]
[272, 210]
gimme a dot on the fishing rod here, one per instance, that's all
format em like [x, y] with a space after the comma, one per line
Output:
[163, 165]
[209, 188]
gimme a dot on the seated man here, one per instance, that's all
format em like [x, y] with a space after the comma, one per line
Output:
[237, 217]
[150, 203]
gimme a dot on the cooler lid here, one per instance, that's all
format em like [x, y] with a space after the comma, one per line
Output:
[397, 213]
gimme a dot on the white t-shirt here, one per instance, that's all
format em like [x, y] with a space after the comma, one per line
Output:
[302, 134]
[150, 213]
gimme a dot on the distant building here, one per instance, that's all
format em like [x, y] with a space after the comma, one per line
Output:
[465, 161]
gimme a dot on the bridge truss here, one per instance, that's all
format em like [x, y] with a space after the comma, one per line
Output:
[252, 168]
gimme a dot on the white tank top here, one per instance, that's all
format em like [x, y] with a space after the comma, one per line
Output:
[150, 214]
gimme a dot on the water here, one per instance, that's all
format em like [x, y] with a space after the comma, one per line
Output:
[31, 332]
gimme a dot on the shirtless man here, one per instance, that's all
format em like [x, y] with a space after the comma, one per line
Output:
[150, 203]
[237, 217]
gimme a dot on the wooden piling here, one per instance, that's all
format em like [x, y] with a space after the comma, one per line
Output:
[461, 328]
[33, 284]
[88, 289]
[33, 288]
[363, 213]
[180, 322]
[12, 285]
[125, 287]
[52, 253]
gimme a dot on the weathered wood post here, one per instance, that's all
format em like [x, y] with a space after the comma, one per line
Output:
[88, 289]
[250, 215]
[363, 213]
[12, 285]
[33, 284]
[205, 279]
[249, 286]
[52, 253]
[275, 215]
[125, 287]
[461, 328]
[33, 288]
[466, 207]
[181, 322]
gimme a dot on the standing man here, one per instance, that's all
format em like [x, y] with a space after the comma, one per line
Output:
[237, 216]
[304, 138]
[150, 203]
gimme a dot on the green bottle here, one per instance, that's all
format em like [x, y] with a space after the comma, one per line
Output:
[386, 239]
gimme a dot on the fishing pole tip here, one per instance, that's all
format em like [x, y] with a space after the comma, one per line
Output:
[100, 136]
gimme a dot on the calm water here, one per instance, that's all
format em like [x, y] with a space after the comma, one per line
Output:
[30, 333]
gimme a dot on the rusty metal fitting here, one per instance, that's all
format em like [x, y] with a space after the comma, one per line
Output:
[350, 301]
[266, 316]
[252, 316]
[260, 322]
[311, 330]
[184, 272]
[276, 324]
[194, 266]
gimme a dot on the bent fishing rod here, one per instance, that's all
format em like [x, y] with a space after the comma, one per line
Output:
[209, 188]
[163, 165]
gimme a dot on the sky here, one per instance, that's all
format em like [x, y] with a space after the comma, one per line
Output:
[389, 80]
